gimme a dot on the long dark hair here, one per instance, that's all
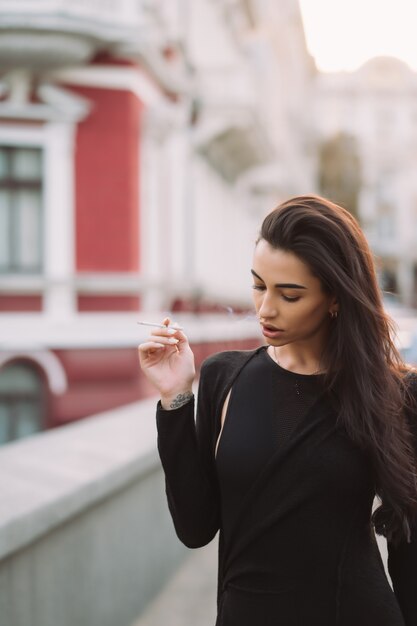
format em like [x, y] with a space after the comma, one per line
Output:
[365, 373]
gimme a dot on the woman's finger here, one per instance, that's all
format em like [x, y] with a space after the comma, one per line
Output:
[146, 350]
[147, 345]
[163, 336]
[158, 334]
[164, 332]
[163, 342]
[164, 339]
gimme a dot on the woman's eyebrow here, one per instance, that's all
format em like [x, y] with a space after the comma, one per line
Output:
[282, 285]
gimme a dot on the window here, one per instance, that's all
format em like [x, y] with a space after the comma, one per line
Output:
[20, 210]
[21, 402]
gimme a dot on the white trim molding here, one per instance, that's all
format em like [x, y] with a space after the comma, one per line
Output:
[59, 249]
[49, 363]
[56, 103]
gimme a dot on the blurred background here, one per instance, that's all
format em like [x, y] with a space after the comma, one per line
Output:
[141, 144]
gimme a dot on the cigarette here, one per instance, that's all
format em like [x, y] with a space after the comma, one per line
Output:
[159, 325]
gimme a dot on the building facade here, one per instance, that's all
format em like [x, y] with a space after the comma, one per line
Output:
[141, 143]
[376, 107]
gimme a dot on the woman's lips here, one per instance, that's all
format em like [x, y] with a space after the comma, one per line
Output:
[270, 331]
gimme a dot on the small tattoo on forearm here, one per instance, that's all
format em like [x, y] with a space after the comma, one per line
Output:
[182, 398]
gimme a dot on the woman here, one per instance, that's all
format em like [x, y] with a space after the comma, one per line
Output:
[293, 439]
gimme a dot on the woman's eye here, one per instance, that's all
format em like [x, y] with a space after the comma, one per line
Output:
[286, 298]
[291, 299]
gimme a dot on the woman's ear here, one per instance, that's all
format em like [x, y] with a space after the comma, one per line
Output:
[334, 304]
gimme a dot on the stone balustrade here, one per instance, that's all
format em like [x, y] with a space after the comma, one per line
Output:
[85, 533]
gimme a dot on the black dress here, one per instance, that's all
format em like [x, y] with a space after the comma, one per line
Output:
[266, 403]
[291, 495]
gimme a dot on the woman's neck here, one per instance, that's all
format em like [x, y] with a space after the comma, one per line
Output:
[297, 359]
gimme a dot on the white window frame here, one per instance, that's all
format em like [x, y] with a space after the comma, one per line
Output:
[56, 140]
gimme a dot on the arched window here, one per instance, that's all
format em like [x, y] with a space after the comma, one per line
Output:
[22, 402]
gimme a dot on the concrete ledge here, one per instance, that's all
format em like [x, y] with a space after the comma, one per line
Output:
[85, 533]
[50, 477]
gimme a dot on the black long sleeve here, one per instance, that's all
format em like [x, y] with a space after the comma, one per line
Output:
[402, 567]
[402, 559]
[184, 447]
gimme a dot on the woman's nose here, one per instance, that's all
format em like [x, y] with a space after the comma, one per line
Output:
[267, 309]
[267, 315]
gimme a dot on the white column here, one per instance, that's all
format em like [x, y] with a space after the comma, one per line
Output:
[59, 231]
[153, 212]
[183, 208]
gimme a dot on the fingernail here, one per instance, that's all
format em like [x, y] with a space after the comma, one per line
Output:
[171, 331]
[173, 340]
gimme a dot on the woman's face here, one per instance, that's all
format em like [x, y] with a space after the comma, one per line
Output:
[288, 297]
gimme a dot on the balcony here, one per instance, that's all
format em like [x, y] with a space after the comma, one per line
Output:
[48, 33]
[231, 135]
[235, 147]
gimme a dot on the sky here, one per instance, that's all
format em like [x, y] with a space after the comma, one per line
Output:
[343, 34]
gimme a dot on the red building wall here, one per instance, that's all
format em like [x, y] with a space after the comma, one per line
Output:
[107, 185]
[20, 303]
[107, 303]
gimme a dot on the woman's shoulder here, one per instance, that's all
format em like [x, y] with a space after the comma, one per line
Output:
[226, 362]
